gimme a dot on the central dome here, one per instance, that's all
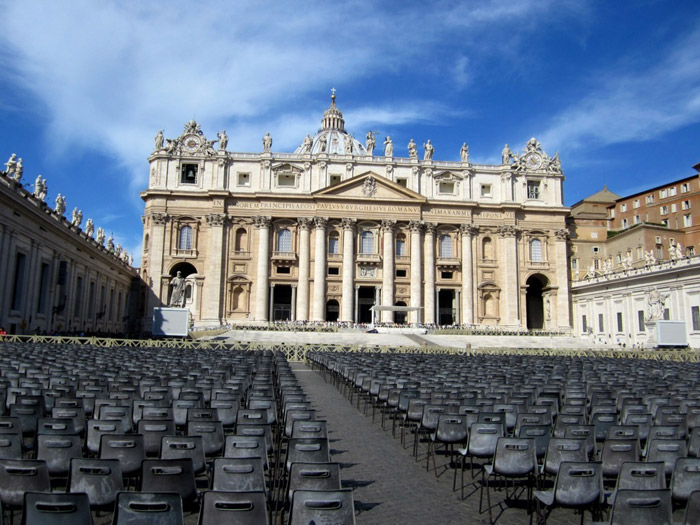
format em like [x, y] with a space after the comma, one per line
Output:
[332, 137]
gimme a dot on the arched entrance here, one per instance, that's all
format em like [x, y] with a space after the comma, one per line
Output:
[186, 270]
[365, 301]
[535, 301]
[400, 317]
[332, 310]
[446, 306]
[282, 303]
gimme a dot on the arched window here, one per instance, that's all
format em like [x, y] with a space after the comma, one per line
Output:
[241, 240]
[445, 245]
[487, 248]
[367, 242]
[400, 244]
[536, 250]
[284, 240]
[146, 241]
[333, 244]
[237, 302]
[185, 240]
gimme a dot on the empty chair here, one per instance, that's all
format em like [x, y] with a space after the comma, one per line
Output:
[560, 450]
[20, 476]
[637, 475]
[302, 428]
[664, 432]
[668, 451]
[56, 509]
[565, 420]
[121, 414]
[241, 508]
[602, 422]
[307, 450]
[100, 479]
[169, 475]
[245, 447]
[227, 411]
[57, 451]
[577, 486]
[451, 430]
[11, 446]
[75, 413]
[481, 444]
[152, 431]
[212, 434]
[95, 429]
[144, 508]
[56, 427]
[539, 433]
[685, 478]
[157, 412]
[180, 408]
[322, 506]
[313, 476]
[238, 475]
[615, 452]
[127, 448]
[694, 442]
[642, 507]
[179, 447]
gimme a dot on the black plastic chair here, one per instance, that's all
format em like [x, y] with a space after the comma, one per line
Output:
[685, 478]
[100, 479]
[11, 446]
[238, 475]
[152, 431]
[56, 509]
[322, 506]
[578, 486]
[144, 508]
[668, 451]
[692, 509]
[241, 508]
[170, 475]
[560, 450]
[20, 476]
[127, 448]
[180, 447]
[642, 507]
[57, 451]
[212, 434]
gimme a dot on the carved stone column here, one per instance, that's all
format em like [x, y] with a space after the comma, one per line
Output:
[347, 313]
[388, 226]
[156, 253]
[469, 231]
[510, 279]
[212, 283]
[429, 273]
[561, 315]
[304, 260]
[262, 275]
[416, 228]
[319, 309]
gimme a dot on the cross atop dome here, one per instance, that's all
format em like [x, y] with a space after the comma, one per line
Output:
[333, 117]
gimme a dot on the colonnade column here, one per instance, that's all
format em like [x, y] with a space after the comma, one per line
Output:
[429, 273]
[347, 313]
[156, 253]
[562, 316]
[304, 260]
[319, 309]
[262, 277]
[469, 231]
[212, 283]
[416, 228]
[388, 269]
[509, 253]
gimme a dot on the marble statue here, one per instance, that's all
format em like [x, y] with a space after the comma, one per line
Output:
[110, 243]
[388, 147]
[464, 153]
[628, 261]
[100, 235]
[11, 165]
[370, 143]
[77, 217]
[223, 140]
[608, 267]
[267, 143]
[655, 305]
[322, 144]
[649, 258]
[306, 145]
[177, 297]
[506, 155]
[348, 145]
[18, 170]
[130, 260]
[118, 249]
[412, 149]
[172, 145]
[89, 227]
[555, 163]
[590, 274]
[679, 251]
[671, 251]
[159, 140]
[60, 208]
[429, 150]
[40, 188]
[548, 308]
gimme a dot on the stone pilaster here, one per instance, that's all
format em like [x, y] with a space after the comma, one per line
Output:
[319, 308]
[429, 273]
[302, 309]
[388, 226]
[348, 293]
[469, 231]
[156, 253]
[416, 228]
[509, 256]
[563, 319]
[262, 274]
[214, 277]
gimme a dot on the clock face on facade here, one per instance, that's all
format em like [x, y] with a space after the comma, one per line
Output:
[533, 160]
[191, 142]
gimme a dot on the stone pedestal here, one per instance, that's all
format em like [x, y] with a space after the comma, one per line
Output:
[651, 341]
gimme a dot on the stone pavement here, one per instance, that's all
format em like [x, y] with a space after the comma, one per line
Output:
[389, 486]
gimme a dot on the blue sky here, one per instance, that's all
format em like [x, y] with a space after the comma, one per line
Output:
[613, 86]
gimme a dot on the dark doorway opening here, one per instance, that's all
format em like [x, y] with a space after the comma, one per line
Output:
[365, 301]
[446, 307]
[400, 317]
[332, 310]
[534, 302]
[282, 305]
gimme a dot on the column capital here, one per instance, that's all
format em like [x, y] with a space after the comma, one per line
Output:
[320, 223]
[262, 221]
[430, 227]
[388, 225]
[348, 223]
[469, 230]
[508, 230]
[416, 226]
[304, 223]
[562, 234]
[216, 219]
[159, 218]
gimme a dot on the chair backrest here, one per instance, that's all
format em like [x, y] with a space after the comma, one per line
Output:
[127, 448]
[664, 432]
[323, 506]
[212, 434]
[642, 507]
[307, 450]
[304, 428]
[293, 415]
[179, 447]
[58, 450]
[242, 508]
[227, 410]
[694, 442]
[692, 509]
[100, 479]
[56, 509]
[623, 432]
[637, 475]
[451, 429]
[11, 446]
[145, 507]
[238, 475]
[668, 451]
[55, 426]
[20, 476]
[95, 429]
[152, 431]
[564, 449]
[169, 475]
[483, 438]
[313, 476]
[685, 478]
[238, 446]
[616, 452]
[515, 457]
[578, 484]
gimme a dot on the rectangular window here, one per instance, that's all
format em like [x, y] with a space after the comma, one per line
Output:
[695, 314]
[625, 224]
[335, 179]
[663, 194]
[601, 325]
[402, 182]
[672, 191]
[650, 199]
[687, 220]
[636, 219]
[584, 324]
[284, 270]
[640, 320]
[612, 213]
[400, 247]
[244, 179]
[685, 205]
[400, 273]
[685, 187]
[286, 180]
[619, 321]
[574, 264]
[664, 222]
[664, 210]
[674, 208]
[690, 250]
[446, 275]
[78, 296]
[446, 188]
[623, 207]
[333, 245]
[119, 307]
[667, 314]
[43, 299]
[533, 189]
[18, 284]
[333, 270]
[486, 190]
[110, 315]
[635, 204]
[189, 174]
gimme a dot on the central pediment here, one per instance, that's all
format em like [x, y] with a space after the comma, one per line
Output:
[369, 186]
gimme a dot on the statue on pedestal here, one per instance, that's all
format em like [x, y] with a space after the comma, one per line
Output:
[177, 297]
[370, 143]
[656, 302]
[77, 217]
[429, 150]
[348, 145]
[464, 153]
[100, 235]
[159, 140]
[89, 227]
[322, 144]
[11, 165]
[506, 155]
[110, 243]
[267, 142]
[60, 208]
[18, 171]
[388, 147]
[306, 145]
[412, 149]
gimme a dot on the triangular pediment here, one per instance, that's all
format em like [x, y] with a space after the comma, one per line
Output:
[447, 176]
[369, 186]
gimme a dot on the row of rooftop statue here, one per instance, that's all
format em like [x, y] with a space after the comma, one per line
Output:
[14, 171]
[507, 156]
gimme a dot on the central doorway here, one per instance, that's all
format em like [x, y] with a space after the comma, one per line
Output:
[282, 303]
[332, 310]
[365, 301]
[446, 307]
[534, 301]
[400, 317]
